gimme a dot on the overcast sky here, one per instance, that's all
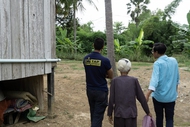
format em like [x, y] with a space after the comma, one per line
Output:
[119, 11]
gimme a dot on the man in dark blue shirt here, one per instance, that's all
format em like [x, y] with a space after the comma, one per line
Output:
[97, 69]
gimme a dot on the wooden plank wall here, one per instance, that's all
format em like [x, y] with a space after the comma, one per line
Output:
[6, 47]
[27, 31]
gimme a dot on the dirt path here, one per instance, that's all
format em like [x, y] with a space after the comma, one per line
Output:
[71, 107]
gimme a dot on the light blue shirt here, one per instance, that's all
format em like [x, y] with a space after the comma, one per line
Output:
[165, 78]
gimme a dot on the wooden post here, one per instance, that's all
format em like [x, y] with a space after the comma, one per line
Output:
[50, 91]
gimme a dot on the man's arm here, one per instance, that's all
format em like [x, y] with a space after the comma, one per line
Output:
[148, 94]
[109, 74]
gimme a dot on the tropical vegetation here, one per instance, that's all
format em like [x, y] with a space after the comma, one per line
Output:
[133, 41]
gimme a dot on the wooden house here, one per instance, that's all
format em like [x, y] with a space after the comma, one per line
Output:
[27, 47]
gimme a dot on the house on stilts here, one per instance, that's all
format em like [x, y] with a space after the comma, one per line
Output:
[28, 48]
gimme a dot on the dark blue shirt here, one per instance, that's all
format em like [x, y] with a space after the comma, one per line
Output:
[96, 67]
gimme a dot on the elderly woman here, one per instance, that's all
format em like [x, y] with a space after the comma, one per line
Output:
[124, 91]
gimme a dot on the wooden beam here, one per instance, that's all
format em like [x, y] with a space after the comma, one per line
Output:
[50, 85]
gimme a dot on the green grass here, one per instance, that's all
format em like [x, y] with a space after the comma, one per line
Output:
[70, 61]
[183, 61]
[75, 67]
[74, 59]
[145, 64]
[69, 115]
[71, 56]
[65, 76]
[135, 68]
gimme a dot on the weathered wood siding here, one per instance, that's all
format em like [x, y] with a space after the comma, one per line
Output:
[27, 31]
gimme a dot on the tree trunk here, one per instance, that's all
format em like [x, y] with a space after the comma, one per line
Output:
[109, 35]
[74, 24]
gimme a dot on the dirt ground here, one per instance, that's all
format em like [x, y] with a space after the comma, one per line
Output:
[71, 109]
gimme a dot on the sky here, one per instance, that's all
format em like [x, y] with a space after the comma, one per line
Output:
[119, 12]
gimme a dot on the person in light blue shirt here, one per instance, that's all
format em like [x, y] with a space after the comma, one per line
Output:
[163, 85]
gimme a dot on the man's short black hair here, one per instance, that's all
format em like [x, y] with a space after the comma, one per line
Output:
[159, 47]
[98, 44]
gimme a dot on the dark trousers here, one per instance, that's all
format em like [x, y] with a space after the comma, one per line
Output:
[159, 109]
[98, 101]
[122, 122]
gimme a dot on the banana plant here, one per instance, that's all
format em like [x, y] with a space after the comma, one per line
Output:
[121, 49]
[188, 18]
[63, 43]
[187, 45]
[139, 44]
[117, 46]
[183, 37]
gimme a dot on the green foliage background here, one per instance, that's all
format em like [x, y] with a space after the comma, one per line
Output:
[134, 41]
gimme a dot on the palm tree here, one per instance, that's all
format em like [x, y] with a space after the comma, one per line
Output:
[118, 27]
[64, 7]
[64, 14]
[139, 7]
[170, 9]
[109, 35]
[77, 5]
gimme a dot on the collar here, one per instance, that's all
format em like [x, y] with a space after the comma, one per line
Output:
[96, 52]
[163, 57]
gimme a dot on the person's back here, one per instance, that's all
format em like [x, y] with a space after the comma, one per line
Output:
[168, 76]
[97, 69]
[163, 85]
[124, 91]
